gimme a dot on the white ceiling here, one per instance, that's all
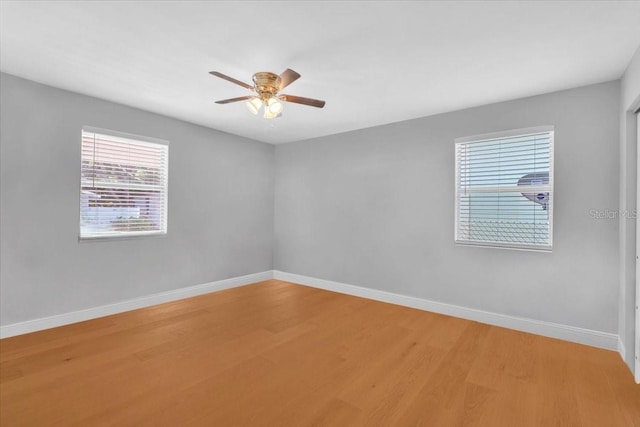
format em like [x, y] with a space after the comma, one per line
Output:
[373, 62]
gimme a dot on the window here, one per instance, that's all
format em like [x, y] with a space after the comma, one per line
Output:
[123, 188]
[504, 189]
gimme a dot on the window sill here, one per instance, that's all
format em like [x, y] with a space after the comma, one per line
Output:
[492, 245]
[154, 235]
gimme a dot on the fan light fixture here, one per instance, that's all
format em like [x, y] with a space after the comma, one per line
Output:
[272, 107]
[269, 115]
[254, 105]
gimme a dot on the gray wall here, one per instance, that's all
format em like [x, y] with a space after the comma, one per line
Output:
[375, 208]
[220, 206]
[372, 208]
[629, 101]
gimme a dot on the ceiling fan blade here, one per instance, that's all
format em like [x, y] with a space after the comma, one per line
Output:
[301, 100]
[287, 77]
[227, 101]
[230, 79]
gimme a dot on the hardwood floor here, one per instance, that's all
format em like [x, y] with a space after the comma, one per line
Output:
[279, 354]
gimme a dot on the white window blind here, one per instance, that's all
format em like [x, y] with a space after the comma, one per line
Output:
[123, 185]
[504, 189]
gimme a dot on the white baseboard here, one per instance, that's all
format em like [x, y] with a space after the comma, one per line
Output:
[569, 333]
[623, 354]
[621, 349]
[128, 305]
[554, 330]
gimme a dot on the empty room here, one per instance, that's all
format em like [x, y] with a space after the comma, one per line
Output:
[319, 213]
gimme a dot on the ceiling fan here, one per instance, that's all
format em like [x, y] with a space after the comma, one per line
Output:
[267, 87]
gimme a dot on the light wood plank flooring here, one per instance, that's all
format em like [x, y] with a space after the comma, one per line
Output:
[279, 354]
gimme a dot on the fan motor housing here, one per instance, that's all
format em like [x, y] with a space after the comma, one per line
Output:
[267, 84]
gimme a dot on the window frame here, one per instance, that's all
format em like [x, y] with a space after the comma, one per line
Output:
[129, 234]
[550, 129]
